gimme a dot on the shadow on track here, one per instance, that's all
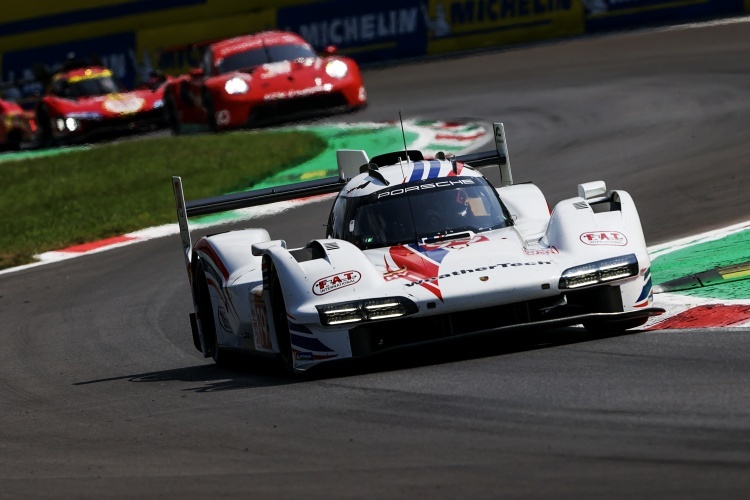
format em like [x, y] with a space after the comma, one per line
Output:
[249, 372]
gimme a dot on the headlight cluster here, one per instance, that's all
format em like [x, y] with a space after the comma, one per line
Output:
[72, 121]
[236, 85]
[598, 272]
[365, 310]
[337, 69]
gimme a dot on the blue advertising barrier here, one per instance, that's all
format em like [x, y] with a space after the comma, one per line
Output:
[368, 31]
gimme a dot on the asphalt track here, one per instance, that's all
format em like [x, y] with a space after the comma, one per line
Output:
[103, 396]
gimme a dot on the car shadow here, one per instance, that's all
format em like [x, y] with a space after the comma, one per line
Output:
[250, 372]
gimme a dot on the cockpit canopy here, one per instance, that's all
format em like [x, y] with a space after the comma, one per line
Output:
[420, 211]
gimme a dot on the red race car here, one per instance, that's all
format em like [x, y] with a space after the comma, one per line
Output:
[17, 126]
[87, 103]
[261, 78]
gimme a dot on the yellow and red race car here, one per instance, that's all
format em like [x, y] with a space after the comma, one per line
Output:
[264, 77]
[17, 126]
[88, 103]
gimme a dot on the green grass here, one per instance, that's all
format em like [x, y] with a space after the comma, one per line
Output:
[49, 203]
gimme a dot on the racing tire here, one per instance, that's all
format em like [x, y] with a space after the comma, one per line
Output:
[280, 321]
[600, 328]
[208, 104]
[173, 118]
[205, 317]
[46, 139]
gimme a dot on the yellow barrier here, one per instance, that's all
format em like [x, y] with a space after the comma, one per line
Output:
[456, 25]
[50, 22]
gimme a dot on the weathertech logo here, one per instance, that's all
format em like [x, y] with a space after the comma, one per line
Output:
[478, 270]
[614, 238]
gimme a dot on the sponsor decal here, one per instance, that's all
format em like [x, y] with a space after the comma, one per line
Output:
[303, 356]
[273, 96]
[123, 104]
[614, 238]
[335, 282]
[422, 187]
[275, 69]
[646, 296]
[479, 269]
[224, 320]
[260, 324]
[223, 117]
[541, 251]
[420, 264]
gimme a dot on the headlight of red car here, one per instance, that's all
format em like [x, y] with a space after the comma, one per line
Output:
[337, 68]
[235, 86]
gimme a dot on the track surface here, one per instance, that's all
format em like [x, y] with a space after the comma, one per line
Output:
[103, 396]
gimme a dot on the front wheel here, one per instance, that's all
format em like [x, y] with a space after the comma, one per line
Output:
[613, 327]
[173, 117]
[280, 321]
[208, 104]
[43, 120]
[205, 317]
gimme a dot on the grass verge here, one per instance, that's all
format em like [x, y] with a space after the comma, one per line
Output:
[52, 202]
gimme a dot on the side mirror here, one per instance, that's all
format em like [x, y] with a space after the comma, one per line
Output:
[330, 50]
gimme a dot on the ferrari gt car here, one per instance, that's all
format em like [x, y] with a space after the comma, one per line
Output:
[87, 102]
[415, 250]
[17, 126]
[263, 78]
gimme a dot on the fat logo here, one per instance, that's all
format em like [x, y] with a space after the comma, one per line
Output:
[614, 238]
[335, 282]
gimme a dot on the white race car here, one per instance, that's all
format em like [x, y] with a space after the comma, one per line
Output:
[415, 250]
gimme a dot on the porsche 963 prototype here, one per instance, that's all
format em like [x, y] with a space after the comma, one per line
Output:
[415, 250]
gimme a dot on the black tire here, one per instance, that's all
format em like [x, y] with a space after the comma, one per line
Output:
[205, 316]
[46, 139]
[280, 321]
[173, 118]
[210, 111]
[613, 327]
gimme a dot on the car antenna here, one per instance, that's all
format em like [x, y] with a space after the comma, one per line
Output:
[403, 134]
[406, 150]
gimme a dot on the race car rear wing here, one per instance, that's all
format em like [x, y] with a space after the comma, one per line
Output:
[306, 189]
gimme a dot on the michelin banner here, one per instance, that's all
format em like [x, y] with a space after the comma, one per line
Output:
[135, 37]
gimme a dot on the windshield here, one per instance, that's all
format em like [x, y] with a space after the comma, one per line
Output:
[263, 55]
[419, 211]
[88, 87]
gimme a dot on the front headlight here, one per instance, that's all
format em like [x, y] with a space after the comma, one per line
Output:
[337, 68]
[68, 124]
[599, 272]
[365, 310]
[236, 85]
